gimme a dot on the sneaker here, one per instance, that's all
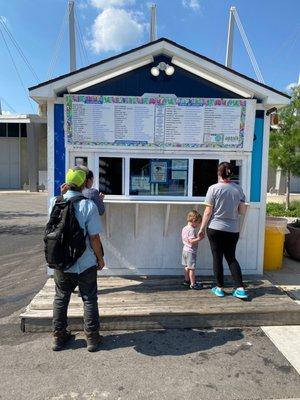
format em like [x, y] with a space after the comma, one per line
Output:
[240, 294]
[60, 338]
[196, 286]
[218, 291]
[186, 283]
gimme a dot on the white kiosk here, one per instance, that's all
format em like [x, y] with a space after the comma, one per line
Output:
[154, 143]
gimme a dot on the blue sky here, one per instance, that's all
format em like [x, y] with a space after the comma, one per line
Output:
[112, 26]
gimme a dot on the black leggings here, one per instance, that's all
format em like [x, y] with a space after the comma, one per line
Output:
[224, 244]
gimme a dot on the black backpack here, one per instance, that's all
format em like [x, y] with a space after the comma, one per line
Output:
[63, 237]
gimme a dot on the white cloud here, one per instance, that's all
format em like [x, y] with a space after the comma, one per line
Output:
[114, 29]
[291, 86]
[103, 4]
[82, 5]
[192, 4]
[6, 112]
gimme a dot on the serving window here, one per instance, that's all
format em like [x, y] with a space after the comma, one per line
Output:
[158, 177]
[187, 178]
[111, 175]
[237, 167]
[81, 161]
[204, 175]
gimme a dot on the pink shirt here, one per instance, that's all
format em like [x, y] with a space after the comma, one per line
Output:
[188, 232]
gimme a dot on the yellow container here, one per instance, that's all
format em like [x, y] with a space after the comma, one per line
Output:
[274, 242]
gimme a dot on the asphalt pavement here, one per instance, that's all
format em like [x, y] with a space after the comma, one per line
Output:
[22, 264]
[187, 364]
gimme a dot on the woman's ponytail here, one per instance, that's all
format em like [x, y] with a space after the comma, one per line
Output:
[225, 170]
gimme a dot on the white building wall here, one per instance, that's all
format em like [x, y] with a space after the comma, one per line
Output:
[150, 252]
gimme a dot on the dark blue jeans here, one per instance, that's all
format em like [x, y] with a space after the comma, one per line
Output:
[65, 284]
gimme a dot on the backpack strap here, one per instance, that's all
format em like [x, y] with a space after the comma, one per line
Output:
[59, 199]
[77, 198]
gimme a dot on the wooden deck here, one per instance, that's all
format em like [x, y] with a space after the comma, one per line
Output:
[162, 302]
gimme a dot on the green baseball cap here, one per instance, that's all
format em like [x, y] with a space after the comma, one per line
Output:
[75, 177]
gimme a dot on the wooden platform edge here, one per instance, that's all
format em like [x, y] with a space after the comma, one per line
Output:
[165, 321]
[287, 313]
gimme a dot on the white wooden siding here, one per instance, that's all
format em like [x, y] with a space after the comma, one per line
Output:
[152, 253]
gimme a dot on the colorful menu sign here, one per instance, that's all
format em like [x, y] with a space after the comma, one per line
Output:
[159, 122]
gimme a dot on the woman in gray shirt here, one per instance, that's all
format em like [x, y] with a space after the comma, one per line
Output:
[224, 202]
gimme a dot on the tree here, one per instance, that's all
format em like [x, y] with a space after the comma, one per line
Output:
[285, 141]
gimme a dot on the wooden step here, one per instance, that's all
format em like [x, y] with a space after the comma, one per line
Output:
[130, 303]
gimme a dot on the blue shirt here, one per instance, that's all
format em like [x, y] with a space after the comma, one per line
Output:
[87, 215]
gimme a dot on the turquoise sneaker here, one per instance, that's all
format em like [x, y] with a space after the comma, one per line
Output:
[218, 292]
[240, 294]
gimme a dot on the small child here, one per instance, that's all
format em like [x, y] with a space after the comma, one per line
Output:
[190, 245]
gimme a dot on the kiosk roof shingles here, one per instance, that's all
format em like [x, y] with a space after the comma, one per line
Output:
[148, 45]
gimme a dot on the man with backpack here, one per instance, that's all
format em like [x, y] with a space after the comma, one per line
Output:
[73, 248]
[89, 192]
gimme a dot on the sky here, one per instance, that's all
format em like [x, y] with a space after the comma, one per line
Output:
[108, 27]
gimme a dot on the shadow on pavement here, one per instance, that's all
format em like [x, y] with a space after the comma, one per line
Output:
[174, 342]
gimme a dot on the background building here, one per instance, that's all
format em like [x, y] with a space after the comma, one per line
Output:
[23, 152]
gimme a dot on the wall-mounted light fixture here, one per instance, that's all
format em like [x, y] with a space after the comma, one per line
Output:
[162, 66]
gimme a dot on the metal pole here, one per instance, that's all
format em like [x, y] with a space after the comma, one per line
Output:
[33, 133]
[153, 35]
[72, 42]
[229, 48]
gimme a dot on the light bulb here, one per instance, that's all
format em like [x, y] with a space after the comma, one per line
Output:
[169, 70]
[155, 71]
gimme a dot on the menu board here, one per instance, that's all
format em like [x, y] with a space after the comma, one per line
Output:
[163, 122]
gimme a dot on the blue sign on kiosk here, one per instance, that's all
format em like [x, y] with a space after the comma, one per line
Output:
[158, 171]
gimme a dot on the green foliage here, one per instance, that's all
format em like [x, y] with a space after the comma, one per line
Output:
[285, 142]
[278, 209]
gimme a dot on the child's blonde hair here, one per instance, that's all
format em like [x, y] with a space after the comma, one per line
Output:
[194, 216]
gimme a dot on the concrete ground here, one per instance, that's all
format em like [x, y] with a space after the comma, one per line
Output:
[174, 364]
[189, 364]
[287, 338]
[287, 278]
[22, 220]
